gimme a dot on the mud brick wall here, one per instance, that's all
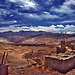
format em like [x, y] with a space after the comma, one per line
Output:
[62, 66]
[60, 50]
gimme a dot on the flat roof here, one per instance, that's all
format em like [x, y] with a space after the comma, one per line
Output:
[63, 56]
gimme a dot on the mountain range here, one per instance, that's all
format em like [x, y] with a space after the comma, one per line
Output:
[19, 37]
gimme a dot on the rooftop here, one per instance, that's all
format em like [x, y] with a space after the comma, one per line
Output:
[63, 56]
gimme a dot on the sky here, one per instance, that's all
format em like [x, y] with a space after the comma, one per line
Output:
[38, 15]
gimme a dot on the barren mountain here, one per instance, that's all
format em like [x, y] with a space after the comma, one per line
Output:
[20, 36]
[23, 36]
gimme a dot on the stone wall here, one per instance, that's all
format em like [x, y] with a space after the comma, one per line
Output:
[62, 66]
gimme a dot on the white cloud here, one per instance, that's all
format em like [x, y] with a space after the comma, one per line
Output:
[24, 27]
[69, 29]
[32, 28]
[70, 33]
[49, 16]
[12, 0]
[60, 26]
[46, 12]
[48, 2]
[8, 22]
[30, 4]
[10, 28]
[68, 21]
[41, 16]
[65, 7]
[44, 28]
[25, 4]
[4, 12]
[69, 2]
[11, 15]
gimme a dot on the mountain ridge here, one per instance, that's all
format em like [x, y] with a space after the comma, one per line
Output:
[20, 36]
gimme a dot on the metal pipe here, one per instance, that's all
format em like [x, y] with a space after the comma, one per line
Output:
[2, 59]
[5, 58]
[3, 67]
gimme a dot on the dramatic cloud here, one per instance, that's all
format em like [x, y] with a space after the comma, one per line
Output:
[38, 15]
[65, 7]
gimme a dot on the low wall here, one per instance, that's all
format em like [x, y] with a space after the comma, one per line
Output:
[62, 66]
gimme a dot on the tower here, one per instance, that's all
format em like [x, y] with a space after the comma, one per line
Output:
[62, 48]
[63, 45]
